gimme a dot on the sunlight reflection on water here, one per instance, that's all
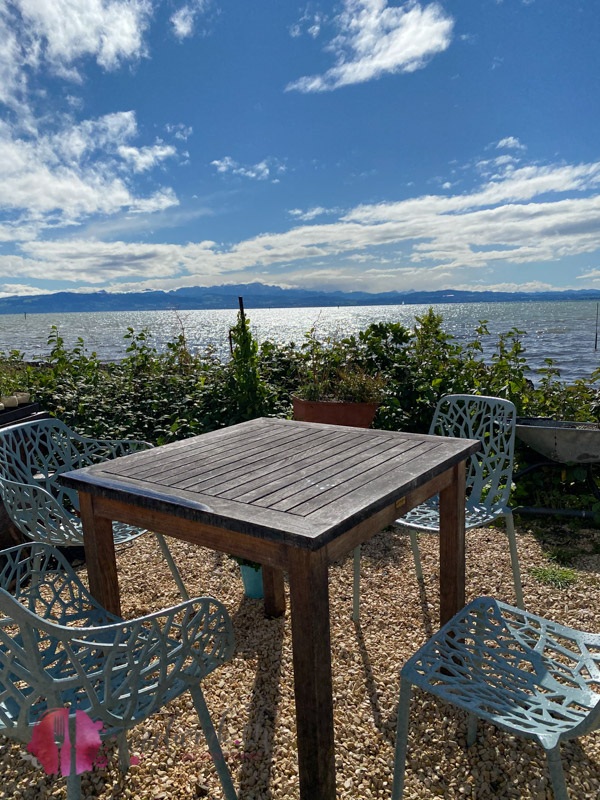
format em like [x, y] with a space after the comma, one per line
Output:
[563, 331]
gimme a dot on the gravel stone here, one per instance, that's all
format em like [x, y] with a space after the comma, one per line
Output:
[252, 697]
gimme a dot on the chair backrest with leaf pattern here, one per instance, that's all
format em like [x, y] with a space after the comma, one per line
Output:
[33, 455]
[491, 420]
[58, 646]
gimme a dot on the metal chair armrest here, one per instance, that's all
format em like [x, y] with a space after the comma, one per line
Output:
[91, 450]
[38, 514]
[118, 673]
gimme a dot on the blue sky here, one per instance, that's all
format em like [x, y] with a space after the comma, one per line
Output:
[353, 145]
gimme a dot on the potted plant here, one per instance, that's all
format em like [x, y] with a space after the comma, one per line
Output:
[251, 572]
[12, 376]
[336, 385]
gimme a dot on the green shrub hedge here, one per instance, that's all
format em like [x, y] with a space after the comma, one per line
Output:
[161, 396]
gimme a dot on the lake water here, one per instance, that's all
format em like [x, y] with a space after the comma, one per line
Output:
[563, 331]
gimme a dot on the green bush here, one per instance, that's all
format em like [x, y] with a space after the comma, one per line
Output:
[161, 396]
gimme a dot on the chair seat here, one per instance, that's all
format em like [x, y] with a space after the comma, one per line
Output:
[488, 478]
[519, 671]
[33, 456]
[59, 647]
[64, 662]
[426, 517]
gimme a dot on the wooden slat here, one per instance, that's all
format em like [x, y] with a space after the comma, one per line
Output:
[170, 461]
[145, 464]
[343, 478]
[286, 473]
[203, 467]
[265, 458]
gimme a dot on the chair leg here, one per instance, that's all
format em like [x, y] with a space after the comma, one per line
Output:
[213, 742]
[37, 554]
[356, 585]
[172, 566]
[73, 779]
[514, 558]
[123, 748]
[557, 776]
[401, 739]
[73, 787]
[414, 543]
[471, 729]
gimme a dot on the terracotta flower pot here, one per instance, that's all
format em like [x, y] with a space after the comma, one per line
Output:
[357, 415]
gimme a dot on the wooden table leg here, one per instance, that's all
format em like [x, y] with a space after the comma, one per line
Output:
[273, 591]
[100, 557]
[309, 599]
[452, 545]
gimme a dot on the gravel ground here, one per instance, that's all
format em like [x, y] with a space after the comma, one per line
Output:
[251, 698]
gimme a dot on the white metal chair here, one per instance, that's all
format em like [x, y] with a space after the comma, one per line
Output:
[523, 673]
[33, 455]
[59, 648]
[492, 420]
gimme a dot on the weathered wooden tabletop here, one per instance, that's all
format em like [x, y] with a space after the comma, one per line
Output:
[295, 482]
[293, 496]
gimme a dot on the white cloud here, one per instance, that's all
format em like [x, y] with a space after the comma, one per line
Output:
[526, 286]
[159, 201]
[20, 290]
[183, 22]
[54, 171]
[592, 274]
[532, 215]
[184, 19]
[311, 22]
[62, 177]
[376, 39]
[511, 143]
[15, 266]
[12, 59]
[268, 168]
[145, 158]
[38, 37]
[180, 131]
[311, 213]
[59, 32]
[98, 262]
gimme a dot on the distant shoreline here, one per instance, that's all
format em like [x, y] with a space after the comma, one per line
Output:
[257, 295]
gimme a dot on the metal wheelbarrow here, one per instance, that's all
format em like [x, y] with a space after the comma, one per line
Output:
[561, 442]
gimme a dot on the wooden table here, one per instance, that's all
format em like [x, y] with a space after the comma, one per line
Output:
[294, 496]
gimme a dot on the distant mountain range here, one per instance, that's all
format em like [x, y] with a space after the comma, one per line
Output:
[258, 295]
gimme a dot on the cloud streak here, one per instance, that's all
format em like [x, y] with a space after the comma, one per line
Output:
[267, 169]
[184, 19]
[429, 241]
[375, 39]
